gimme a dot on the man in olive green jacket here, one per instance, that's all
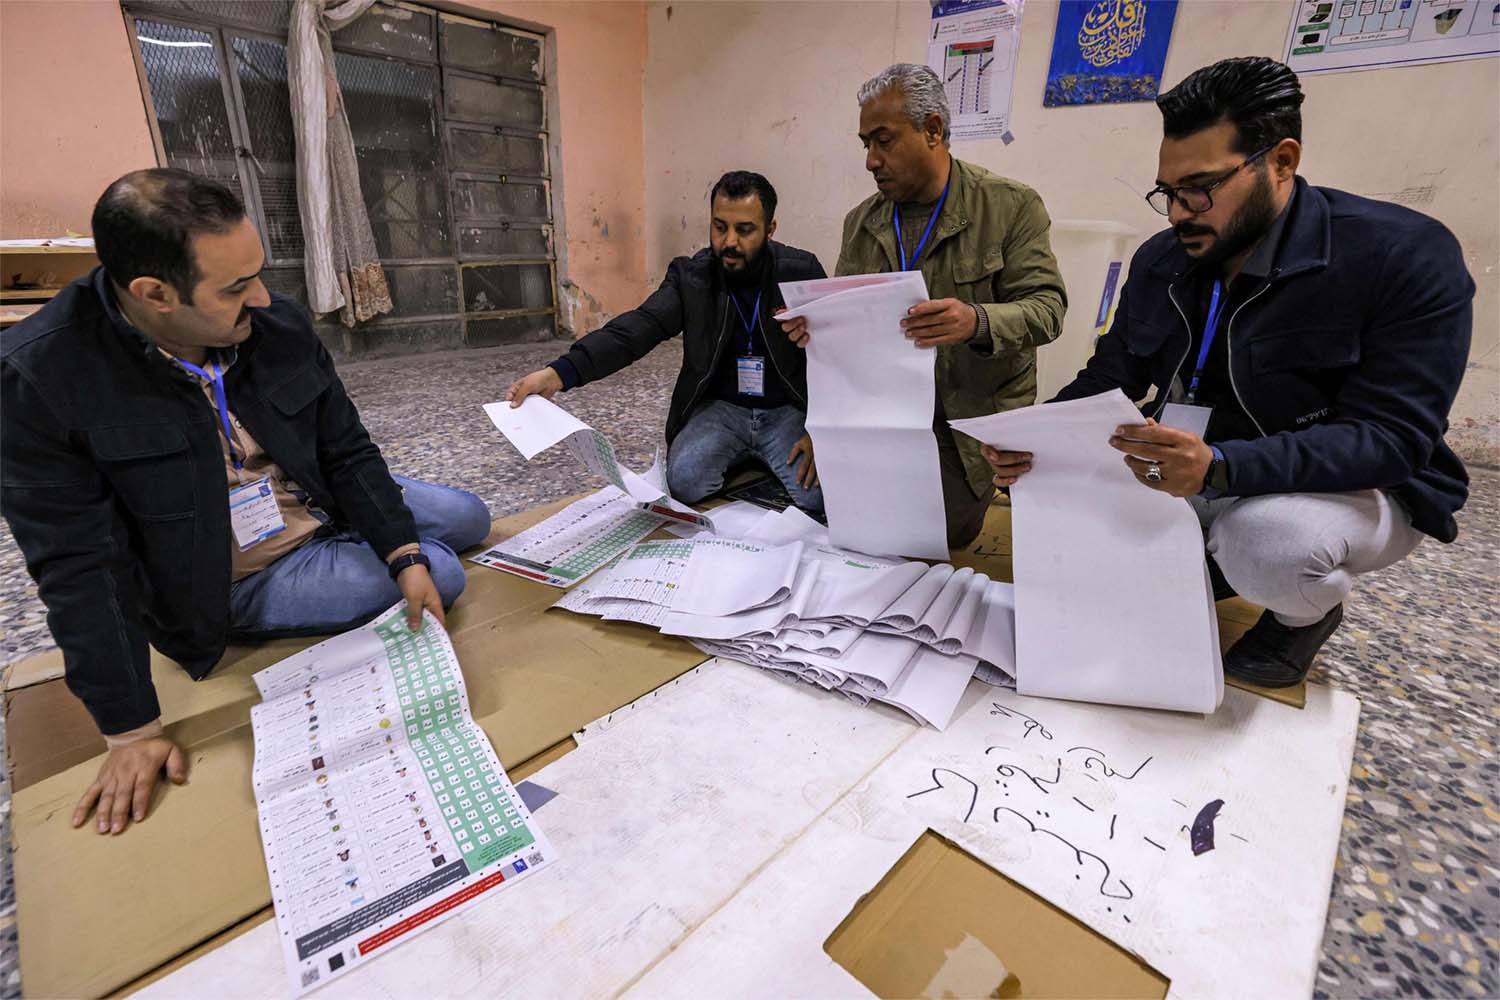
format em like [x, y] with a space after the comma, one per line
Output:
[981, 242]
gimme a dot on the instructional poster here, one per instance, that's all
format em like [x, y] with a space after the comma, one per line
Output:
[1328, 36]
[383, 808]
[973, 45]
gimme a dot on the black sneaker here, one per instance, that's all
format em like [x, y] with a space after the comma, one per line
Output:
[1274, 655]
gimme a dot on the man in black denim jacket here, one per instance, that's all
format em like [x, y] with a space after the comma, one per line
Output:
[180, 463]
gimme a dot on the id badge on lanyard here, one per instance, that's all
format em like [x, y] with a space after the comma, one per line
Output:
[751, 372]
[1190, 416]
[750, 369]
[254, 514]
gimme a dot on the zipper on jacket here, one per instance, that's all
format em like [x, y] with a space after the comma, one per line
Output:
[1186, 350]
[714, 362]
[1228, 349]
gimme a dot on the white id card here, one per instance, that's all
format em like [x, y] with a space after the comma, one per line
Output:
[752, 375]
[1193, 419]
[253, 513]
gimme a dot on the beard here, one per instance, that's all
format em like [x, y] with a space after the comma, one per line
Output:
[737, 255]
[1244, 228]
[748, 262]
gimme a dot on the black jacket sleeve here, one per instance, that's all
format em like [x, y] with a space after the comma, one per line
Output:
[1112, 366]
[355, 472]
[630, 336]
[61, 509]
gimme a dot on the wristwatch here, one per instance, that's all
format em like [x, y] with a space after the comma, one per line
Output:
[1217, 476]
[410, 559]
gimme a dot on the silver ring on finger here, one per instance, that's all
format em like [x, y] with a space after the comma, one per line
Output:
[1153, 473]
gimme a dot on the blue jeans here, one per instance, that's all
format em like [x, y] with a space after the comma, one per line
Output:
[718, 435]
[335, 581]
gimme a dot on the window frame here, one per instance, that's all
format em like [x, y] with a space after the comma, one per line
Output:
[224, 28]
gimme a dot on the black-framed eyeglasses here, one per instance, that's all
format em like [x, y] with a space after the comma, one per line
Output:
[1196, 198]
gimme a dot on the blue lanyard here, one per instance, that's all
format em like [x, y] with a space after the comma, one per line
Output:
[907, 265]
[1210, 327]
[752, 322]
[217, 381]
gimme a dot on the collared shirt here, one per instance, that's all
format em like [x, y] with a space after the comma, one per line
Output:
[300, 521]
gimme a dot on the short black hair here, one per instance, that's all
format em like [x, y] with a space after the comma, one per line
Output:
[1260, 96]
[742, 184]
[144, 222]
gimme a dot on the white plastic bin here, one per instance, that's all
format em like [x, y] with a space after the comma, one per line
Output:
[1087, 250]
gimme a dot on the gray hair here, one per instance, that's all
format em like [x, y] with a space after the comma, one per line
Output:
[919, 85]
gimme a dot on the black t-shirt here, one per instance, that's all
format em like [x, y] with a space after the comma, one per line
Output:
[1229, 421]
[741, 291]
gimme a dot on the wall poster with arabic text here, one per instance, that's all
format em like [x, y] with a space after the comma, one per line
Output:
[1109, 51]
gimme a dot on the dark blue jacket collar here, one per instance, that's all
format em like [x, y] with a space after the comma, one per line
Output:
[1304, 247]
[105, 289]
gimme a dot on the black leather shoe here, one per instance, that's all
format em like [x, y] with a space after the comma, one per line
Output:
[1274, 655]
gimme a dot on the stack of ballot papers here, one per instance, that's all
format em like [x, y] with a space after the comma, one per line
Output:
[779, 597]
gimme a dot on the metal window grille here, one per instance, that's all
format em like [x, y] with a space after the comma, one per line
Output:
[449, 116]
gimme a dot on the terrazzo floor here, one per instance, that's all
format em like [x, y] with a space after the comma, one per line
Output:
[1415, 909]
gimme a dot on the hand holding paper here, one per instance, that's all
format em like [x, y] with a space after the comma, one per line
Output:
[940, 322]
[870, 405]
[1181, 457]
[1112, 596]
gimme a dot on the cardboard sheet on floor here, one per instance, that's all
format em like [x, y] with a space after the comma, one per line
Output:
[200, 853]
[195, 867]
[805, 803]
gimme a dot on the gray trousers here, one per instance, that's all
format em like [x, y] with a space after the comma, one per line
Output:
[1298, 553]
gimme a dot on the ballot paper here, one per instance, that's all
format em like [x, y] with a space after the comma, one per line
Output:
[538, 424]
[383, 808]
[732, 520]
[1113, 602]
[871, 397]
[704, 575]
[575, 541]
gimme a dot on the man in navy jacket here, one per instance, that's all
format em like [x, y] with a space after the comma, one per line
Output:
[1307, 432]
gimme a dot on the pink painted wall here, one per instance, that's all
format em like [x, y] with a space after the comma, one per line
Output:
[72, 119]
[71, 114]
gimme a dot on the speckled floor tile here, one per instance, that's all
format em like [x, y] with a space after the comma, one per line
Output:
[1415, 909]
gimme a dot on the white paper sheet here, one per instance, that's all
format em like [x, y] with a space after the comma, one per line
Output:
[574, 542]
[1113, 602]
[538, 424]
[732, 520]
[930, 687]
[871, 397]
[858, 594]
[765, 622]
[725, 576]
[383, 808]
[778, 527]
